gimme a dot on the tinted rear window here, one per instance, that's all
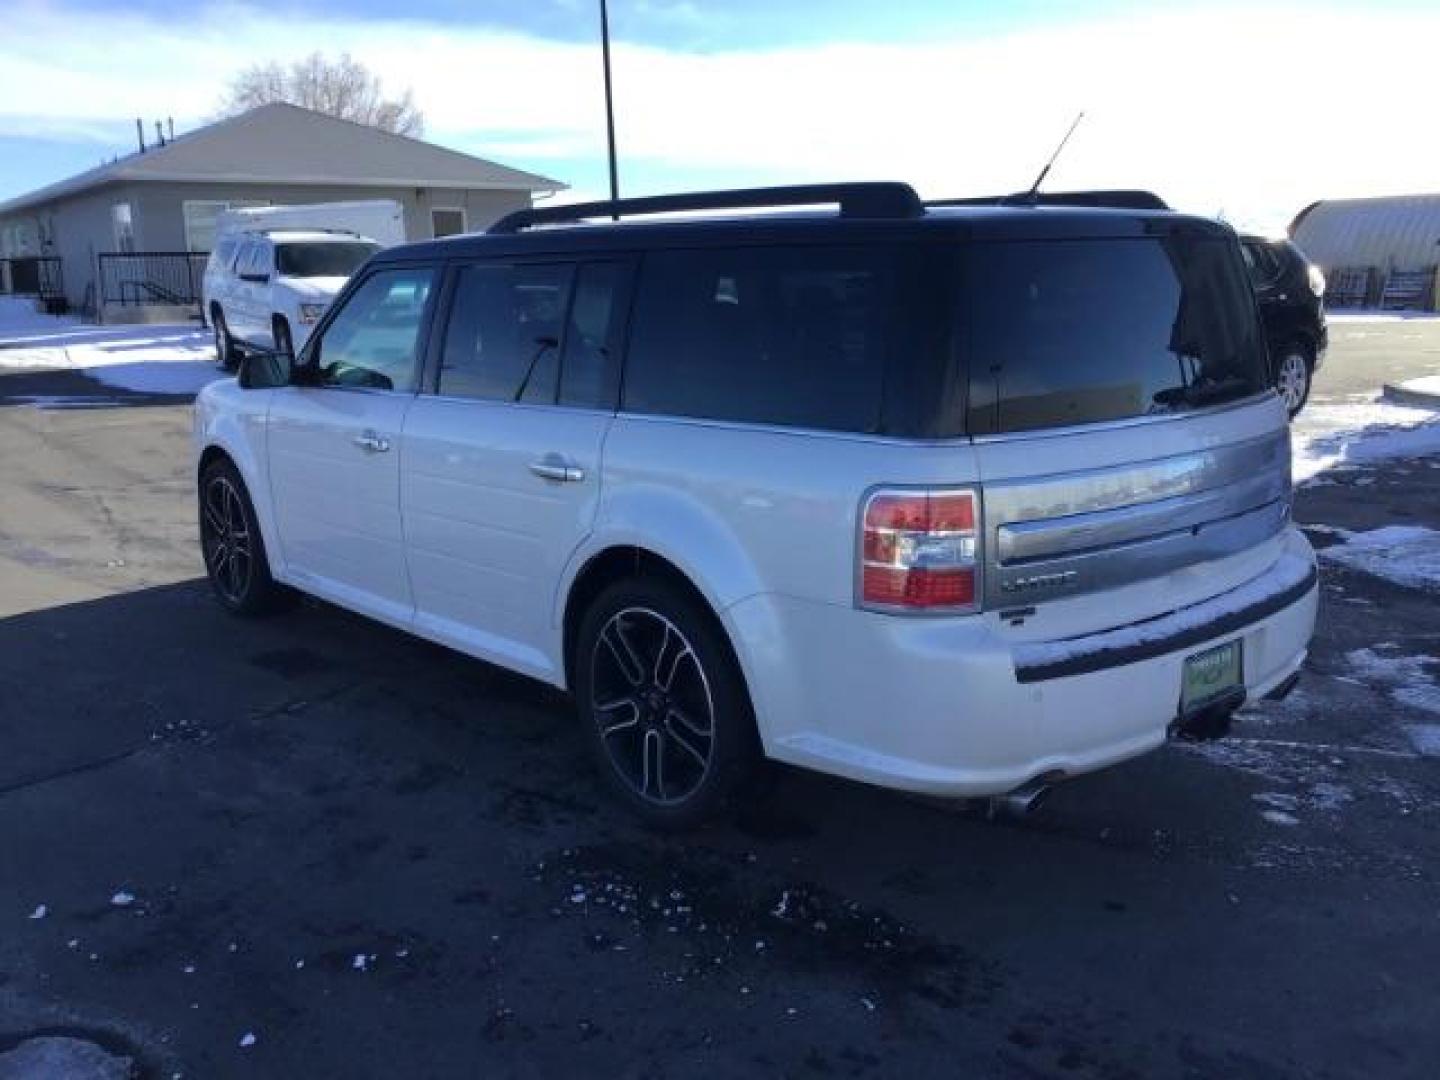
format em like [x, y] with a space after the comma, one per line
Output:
[799, 337]
[322, 260]
[1085, 331]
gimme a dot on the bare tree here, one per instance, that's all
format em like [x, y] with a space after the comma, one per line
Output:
[345, 88]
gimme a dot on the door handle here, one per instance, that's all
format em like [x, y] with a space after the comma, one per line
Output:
[371, 443]
[553, 468]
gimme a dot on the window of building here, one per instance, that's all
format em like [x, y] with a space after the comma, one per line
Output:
[447, 221]
[202, 215]
[122, 219]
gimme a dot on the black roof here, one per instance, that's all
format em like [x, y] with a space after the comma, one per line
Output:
[865, 213]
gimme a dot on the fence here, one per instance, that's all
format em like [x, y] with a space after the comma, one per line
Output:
[33, 275]
[151, 277]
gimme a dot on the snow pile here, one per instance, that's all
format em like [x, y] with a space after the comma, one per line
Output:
[1407, 555]
[1359, 430]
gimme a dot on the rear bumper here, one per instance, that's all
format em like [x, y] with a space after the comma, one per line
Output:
[951, 707]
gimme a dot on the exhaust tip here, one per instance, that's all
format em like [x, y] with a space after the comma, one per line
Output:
[1020, 803]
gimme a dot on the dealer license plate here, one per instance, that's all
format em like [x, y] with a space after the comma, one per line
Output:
[1209, 675]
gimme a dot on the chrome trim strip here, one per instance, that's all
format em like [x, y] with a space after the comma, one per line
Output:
[1026, 541]
[1066, 534]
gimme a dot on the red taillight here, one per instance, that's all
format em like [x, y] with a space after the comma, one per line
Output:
[918, 550]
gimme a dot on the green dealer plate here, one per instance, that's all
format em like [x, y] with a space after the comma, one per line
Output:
[1209, 674]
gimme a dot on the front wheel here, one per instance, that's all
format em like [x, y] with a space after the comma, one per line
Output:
[663, 702]
[1292, 379]
[232, 546]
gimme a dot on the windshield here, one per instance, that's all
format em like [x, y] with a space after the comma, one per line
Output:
[1085, 331]
[327, 259]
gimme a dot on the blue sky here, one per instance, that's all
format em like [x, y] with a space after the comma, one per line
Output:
[958, 97]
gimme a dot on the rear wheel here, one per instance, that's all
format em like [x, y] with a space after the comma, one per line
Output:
[663, 702]
[231, 543]
[225, 353]
[1292, 378]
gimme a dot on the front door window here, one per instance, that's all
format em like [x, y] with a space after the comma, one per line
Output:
[373, 341]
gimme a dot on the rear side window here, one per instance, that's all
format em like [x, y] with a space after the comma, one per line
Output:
[1086, 331]
[798, 337]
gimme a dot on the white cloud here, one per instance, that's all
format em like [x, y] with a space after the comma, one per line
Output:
[1253, 111]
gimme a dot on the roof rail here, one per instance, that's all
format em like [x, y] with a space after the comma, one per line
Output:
[1118, 198]
[860, 200]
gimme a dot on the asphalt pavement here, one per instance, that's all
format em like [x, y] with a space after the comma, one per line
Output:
[311, 846]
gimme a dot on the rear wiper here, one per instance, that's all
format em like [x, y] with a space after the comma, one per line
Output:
[1201, 393]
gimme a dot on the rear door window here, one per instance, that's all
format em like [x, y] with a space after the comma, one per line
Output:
[504, 335]
[1084, 331]
[799, 337]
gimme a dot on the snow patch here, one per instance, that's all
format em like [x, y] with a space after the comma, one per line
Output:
[1425, 738]
[1332, 434]
[164, 359]
[1408, 555]
[40, 912]
[122, 899]
[1406, 678]
[1279, 817]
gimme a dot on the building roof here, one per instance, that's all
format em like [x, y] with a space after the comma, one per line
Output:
[1400, 232]
[285, 144]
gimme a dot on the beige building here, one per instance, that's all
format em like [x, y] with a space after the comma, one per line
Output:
[167, 198]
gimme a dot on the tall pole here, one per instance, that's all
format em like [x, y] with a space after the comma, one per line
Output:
[609, 103]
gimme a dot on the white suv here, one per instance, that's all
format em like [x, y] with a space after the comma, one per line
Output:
[958, 500]
[269, 289]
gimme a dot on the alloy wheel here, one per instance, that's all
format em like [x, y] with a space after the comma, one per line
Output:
[227, 542]
[1292, 380]
[651, 701]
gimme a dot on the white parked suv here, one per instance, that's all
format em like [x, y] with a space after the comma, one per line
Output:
[270, 288]
[958, 500]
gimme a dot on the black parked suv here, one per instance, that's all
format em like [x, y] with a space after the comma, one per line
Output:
[1290, 291]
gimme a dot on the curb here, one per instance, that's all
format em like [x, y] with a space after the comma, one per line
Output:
[1409, 393]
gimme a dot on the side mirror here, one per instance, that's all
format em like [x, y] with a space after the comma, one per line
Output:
[265, 369]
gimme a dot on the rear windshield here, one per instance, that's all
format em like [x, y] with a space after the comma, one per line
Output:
[337, 259]
[1084, 331]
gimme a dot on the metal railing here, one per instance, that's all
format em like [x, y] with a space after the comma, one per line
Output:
[134, 279]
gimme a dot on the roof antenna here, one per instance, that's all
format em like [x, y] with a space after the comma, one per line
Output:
[1033, 194]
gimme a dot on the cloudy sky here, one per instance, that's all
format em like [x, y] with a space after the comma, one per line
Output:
[1247, 109]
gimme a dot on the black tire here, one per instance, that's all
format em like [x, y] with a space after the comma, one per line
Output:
[1294, 371]
[231, 544]
[226, 355]
[284, 343]
[650, 660]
